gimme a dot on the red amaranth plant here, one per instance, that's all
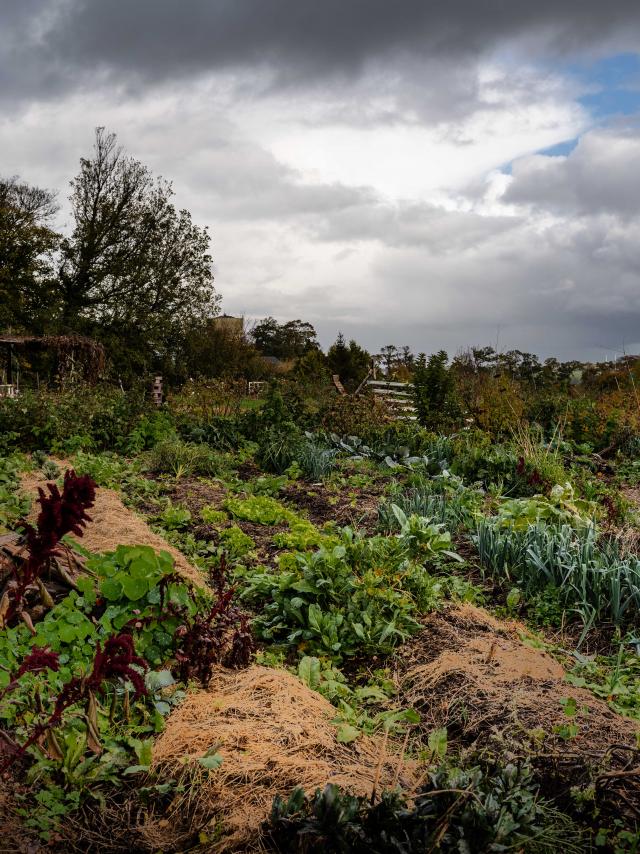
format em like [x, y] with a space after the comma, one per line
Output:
[114, 660]
[61, 513]
[221, 636]
[533, 478]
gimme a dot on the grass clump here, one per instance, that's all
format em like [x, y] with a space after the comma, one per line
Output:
[182, 459]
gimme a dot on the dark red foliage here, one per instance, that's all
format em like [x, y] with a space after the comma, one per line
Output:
[221, 636]
[61, 513]
[612, 510]
[115, 660]
[39, 659]
[533, 478]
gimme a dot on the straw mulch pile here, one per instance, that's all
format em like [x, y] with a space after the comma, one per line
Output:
[273, 733]
[113, 525]
[474, 675]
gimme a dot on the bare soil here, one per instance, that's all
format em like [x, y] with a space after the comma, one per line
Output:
[321, 504]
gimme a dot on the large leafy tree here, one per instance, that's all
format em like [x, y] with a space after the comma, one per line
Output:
[284, 340]
[135, 271]
[27, 244]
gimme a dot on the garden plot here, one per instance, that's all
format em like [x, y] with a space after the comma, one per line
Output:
[474, 675]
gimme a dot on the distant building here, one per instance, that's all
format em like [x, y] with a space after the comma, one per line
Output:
[230, 324]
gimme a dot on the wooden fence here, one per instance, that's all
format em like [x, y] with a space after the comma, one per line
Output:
[397, 396]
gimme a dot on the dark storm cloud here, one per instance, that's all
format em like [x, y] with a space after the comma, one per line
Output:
[50, 45]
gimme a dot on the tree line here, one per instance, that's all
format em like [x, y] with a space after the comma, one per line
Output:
[135, 273]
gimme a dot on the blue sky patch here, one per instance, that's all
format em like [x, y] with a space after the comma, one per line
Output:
[560, 149]
[616, 84]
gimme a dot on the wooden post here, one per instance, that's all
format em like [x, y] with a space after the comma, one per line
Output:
[157, 391]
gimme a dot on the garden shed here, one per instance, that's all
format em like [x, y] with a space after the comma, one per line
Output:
[65, 357]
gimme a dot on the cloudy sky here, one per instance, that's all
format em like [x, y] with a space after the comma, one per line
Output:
[441, 174]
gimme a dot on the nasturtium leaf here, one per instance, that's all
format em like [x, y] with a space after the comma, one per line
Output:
[210, 762]
[347, 733]
[67, 632]
[134, 588]
[111, 589]
[157, 679]
[140, 568]
[437, 742]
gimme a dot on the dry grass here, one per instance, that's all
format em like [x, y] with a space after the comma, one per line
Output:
[473, 673]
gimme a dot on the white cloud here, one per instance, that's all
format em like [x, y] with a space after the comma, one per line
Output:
[601, 174]
[378, 212]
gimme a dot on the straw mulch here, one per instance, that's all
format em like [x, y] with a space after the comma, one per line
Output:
[474, 675]
[113, 524]
[273, 734]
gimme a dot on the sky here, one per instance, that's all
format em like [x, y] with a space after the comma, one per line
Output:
[442, 175]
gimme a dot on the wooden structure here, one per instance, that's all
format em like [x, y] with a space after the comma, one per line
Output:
[157, 391]
[75, 357]
[336, 381]
[255, 387]
[397, 396]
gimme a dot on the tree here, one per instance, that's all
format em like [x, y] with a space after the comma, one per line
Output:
[350, 363]
[434, 391]
[210, 350]
[284, 340]
[311, 368]
[135, 269]
[27, 243]
[406, 356]
[389, 358]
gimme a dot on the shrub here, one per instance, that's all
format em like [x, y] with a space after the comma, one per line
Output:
[77, 418]
[488, 808]
[434, 392]
[274, 429]
[360, 415]
[480, 461]
[183, 458]
[13, 506]
[278, 448]
[494, 403]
